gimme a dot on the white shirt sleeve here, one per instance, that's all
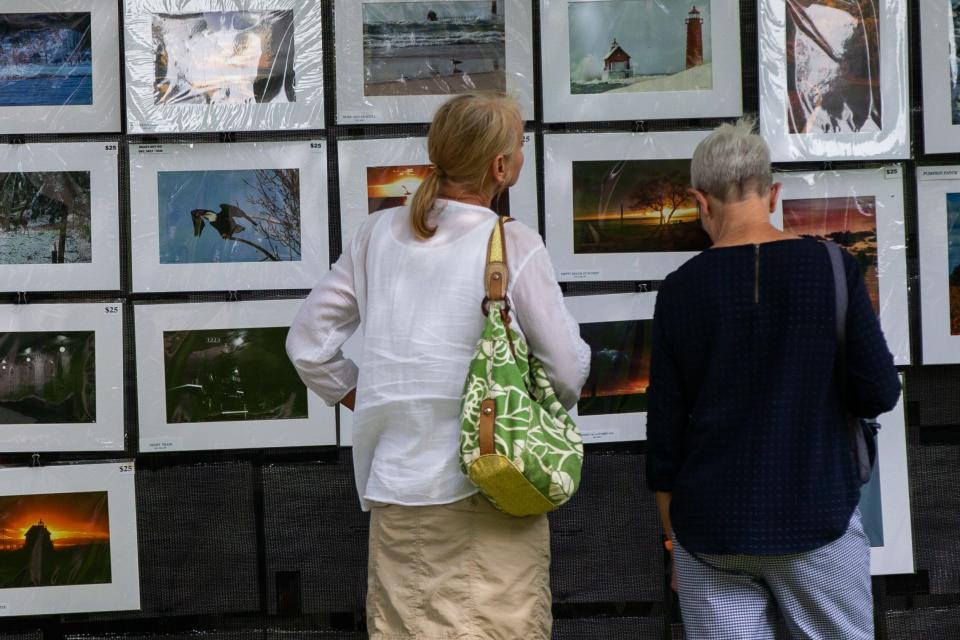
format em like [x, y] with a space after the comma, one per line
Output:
[551, 332]
[328, 317]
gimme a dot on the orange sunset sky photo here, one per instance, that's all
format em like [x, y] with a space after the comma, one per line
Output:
[72, 518]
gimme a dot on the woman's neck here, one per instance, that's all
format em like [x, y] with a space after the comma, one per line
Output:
[453, 192]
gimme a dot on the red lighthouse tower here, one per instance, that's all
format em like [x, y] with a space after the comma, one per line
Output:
[694, 38]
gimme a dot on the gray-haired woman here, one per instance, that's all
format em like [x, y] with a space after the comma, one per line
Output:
[748, 444]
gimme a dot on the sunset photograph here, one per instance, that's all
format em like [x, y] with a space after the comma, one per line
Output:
[630, 206]
[619, 367]
[850, 222]
[394, 186]
[54, 539]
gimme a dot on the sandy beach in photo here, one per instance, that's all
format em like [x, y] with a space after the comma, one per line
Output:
[455, 83]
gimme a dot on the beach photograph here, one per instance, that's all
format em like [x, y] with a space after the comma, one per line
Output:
[45, 217]
[224, 57]
[433, 48]
[394, 186]
[45, 59]
[47, 377]
[850, 222]
[216, 375]
[619, 367]
[833, 66]
[631, 206]
[629, 46]
[54, 539]
[246, 215]
[953, 259]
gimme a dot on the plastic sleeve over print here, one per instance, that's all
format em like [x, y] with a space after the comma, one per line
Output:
[59, 66]
[398, 62]
[223, 65]
[833, 79]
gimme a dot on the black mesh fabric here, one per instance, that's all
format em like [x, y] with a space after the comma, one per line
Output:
[606, 540]
[197, 539]
[608, 628]
[316, 538]
[934, 389]
[917, 624]
[935, 501]
[315, 635]
[27, 635]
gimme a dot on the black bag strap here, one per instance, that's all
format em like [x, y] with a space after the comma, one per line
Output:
[840, 295]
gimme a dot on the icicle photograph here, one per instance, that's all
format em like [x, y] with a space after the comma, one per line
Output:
[224, 57]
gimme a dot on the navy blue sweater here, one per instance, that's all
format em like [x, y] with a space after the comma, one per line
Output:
[744, 425]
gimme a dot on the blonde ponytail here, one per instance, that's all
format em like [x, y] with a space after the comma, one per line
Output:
[467, 133]
[423, 202]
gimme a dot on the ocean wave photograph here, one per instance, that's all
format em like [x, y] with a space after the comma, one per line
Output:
[416, 48]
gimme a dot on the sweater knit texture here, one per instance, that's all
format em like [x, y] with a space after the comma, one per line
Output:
[745, 426]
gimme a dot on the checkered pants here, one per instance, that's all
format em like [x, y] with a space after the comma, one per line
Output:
[822, 594]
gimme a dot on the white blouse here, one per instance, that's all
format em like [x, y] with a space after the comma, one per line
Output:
[418, 303]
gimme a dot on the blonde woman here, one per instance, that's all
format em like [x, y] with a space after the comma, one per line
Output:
[443, 562]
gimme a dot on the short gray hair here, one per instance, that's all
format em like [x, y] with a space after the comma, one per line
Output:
[731, 163]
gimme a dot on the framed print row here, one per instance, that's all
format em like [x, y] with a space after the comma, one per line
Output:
[209, 376]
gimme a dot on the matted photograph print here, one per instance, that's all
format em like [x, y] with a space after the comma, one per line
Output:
[619, 330]
[68, 539]
[59, 66]
[834, 79]
[59, 227]
[636, 59]
[399, 61]
[214, 66]
[61, 377]
[617, 204]
[938, 197]
[862, 211]
[385, 173]
[216, 376]
[940, 26]
[45, 59]
[203, 226]
[885, 500]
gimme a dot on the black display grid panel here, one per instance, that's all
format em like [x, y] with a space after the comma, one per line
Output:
[256, 578]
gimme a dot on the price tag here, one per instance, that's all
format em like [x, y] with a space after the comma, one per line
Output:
[111, 148]
[892, 173]
[316, 146]
[112, 309]
[127, 467]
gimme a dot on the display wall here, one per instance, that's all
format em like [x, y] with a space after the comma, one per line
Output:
[175, 175]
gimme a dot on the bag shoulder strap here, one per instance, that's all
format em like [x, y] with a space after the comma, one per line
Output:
[840, 295]
[496, 275]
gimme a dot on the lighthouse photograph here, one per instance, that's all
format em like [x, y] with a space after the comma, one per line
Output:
[626, 46]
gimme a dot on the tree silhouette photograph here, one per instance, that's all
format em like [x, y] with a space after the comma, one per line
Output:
[217, 375]
[953, 259]
[250, 215]
[45, 217]
[619, 367]
[850, 222]
[54, 539]
[632, 206]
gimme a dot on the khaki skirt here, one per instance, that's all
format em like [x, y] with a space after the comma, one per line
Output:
[460, 570]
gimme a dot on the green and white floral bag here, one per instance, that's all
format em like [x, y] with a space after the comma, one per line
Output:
[517, 442]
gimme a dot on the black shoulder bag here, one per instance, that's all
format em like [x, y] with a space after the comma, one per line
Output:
[863, 432]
